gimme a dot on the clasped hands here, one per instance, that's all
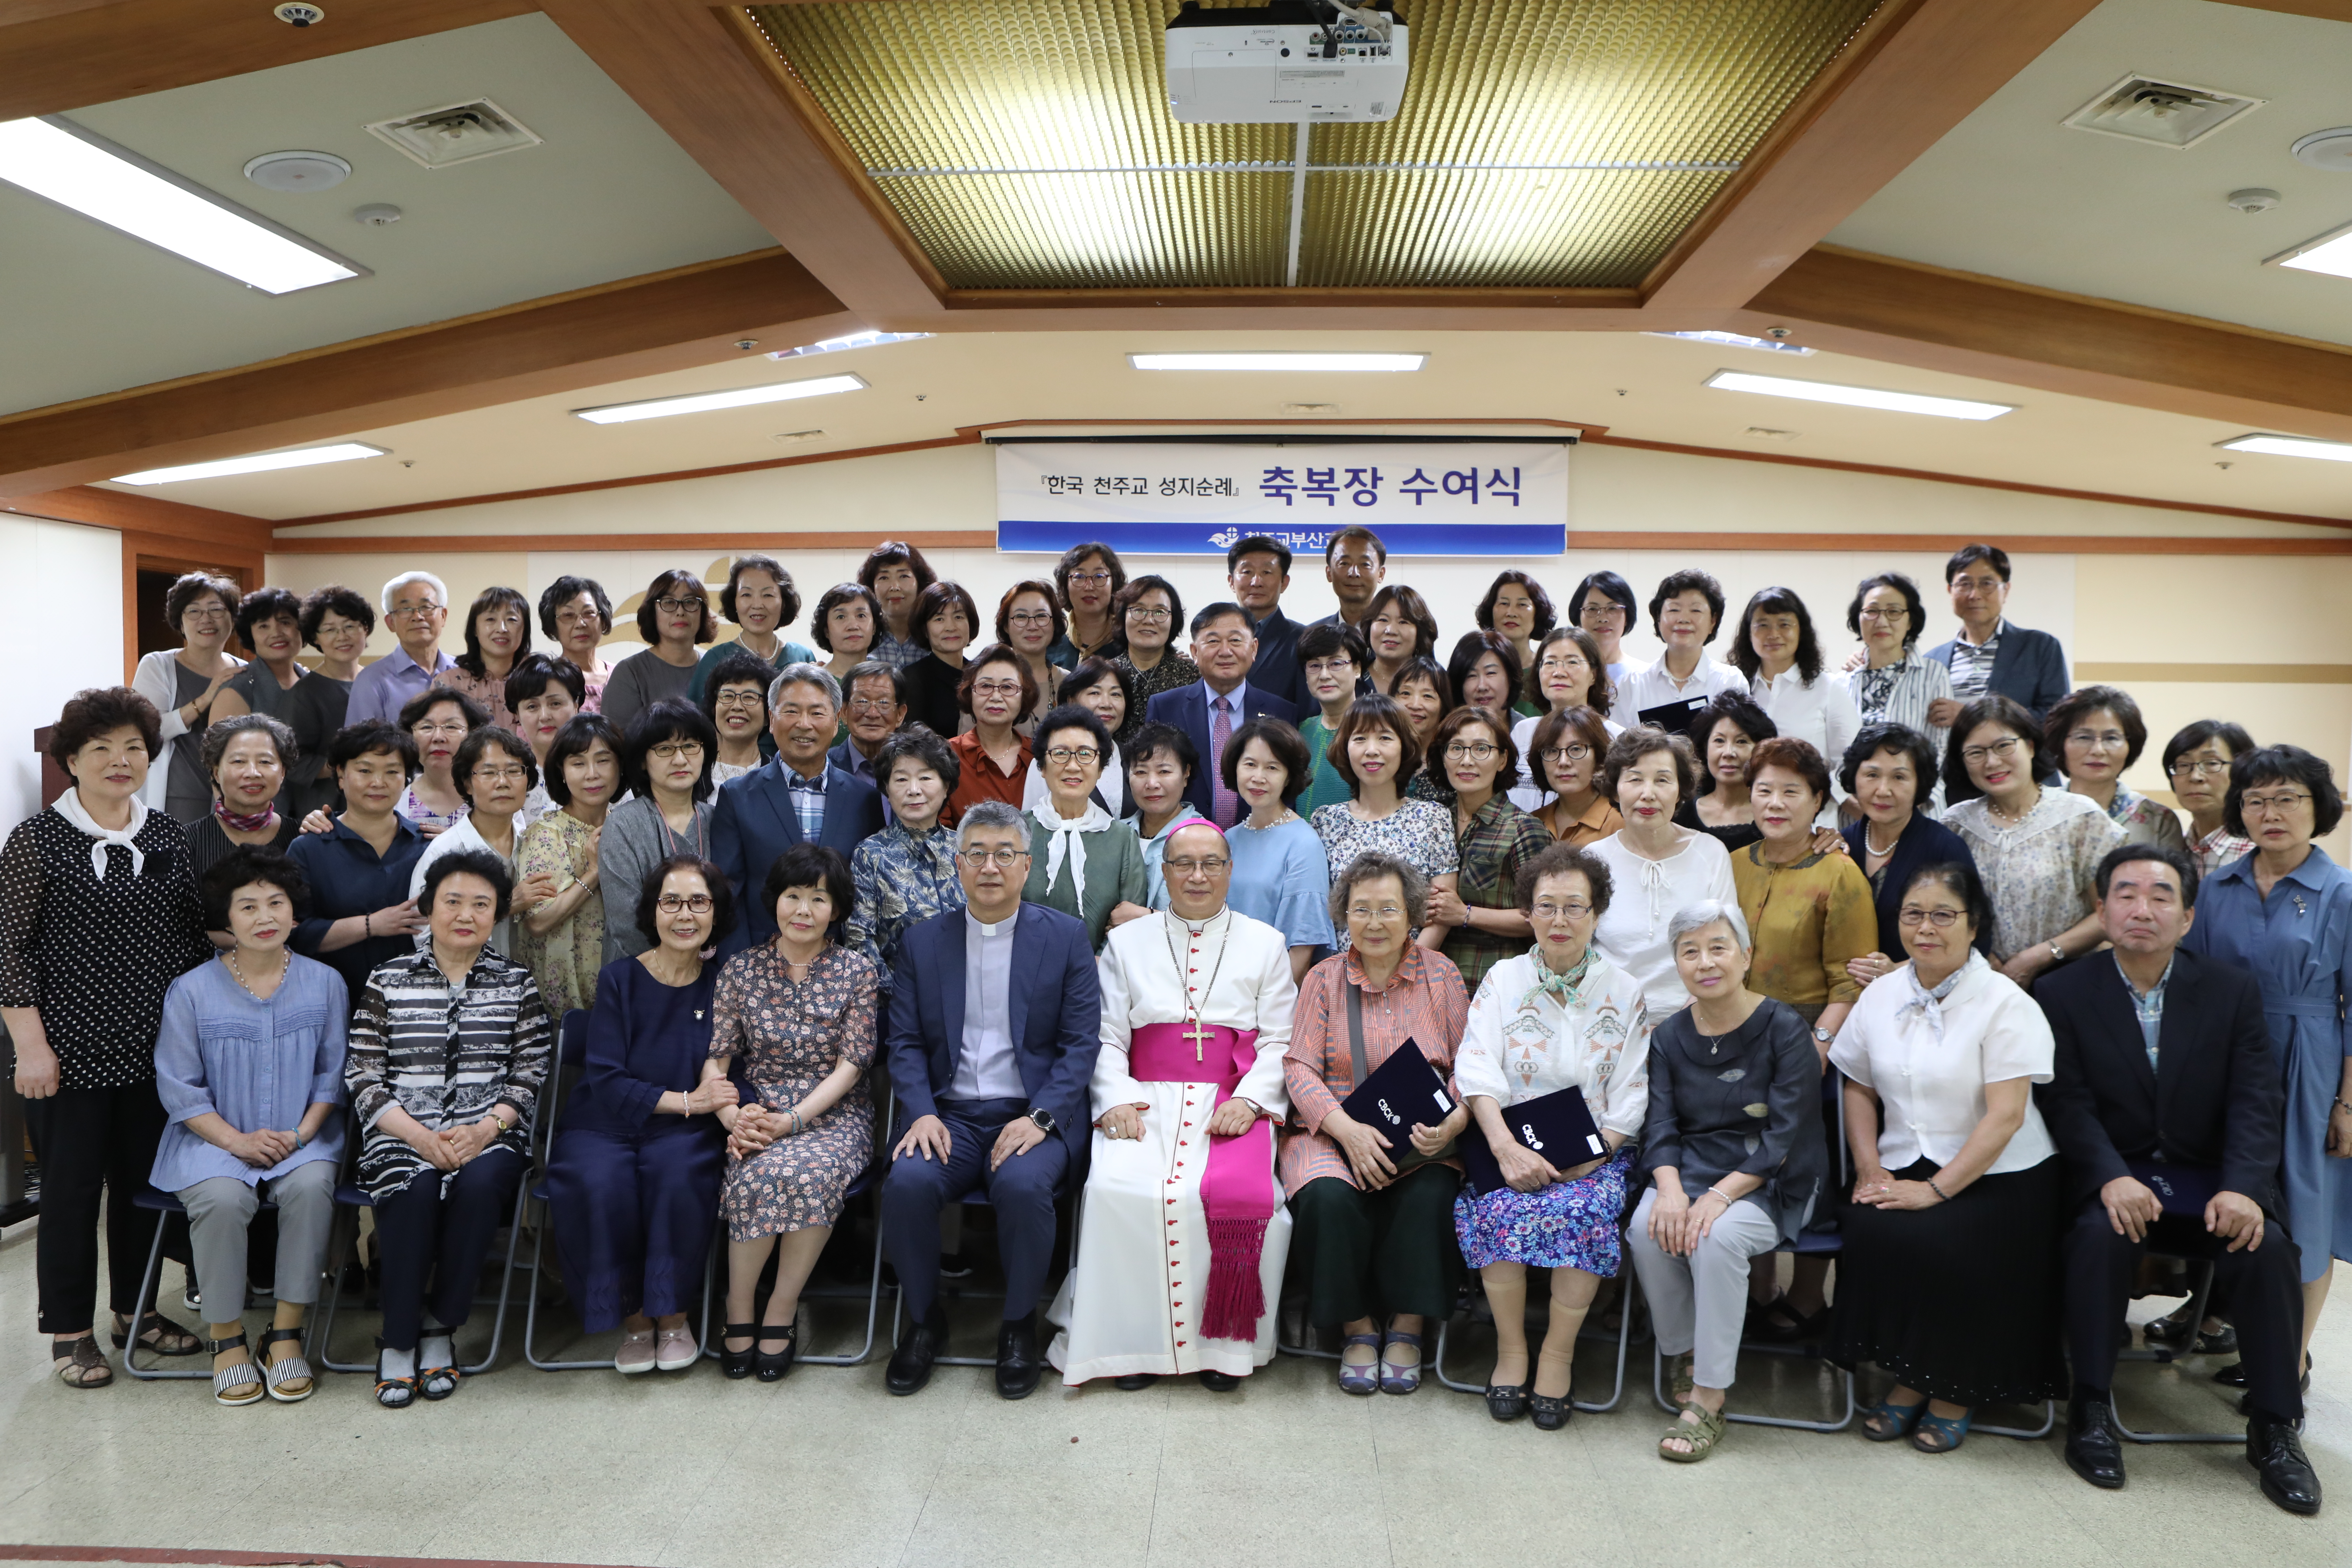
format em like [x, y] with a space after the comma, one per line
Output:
[1230, 1119]
[452, 1147]
[263, 1148]
[2132, 1206]
[1366, 1147]
[1881, 1191]
[1678, 1221]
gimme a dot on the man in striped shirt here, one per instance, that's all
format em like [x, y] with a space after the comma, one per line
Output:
[1990, 654]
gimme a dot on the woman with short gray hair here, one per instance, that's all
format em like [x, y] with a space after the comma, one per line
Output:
[1732, 1141]
[248, 757]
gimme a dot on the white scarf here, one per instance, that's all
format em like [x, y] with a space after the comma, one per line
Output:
[1064, 844]
[1930, 1002]
[69, 806]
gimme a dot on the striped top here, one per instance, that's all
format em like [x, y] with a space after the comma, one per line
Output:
[443, 1054]
[1424, 1002]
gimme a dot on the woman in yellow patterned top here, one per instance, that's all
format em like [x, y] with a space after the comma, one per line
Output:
[560, 939]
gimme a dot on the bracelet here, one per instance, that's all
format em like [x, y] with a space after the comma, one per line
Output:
[1940, 1193]
[1728, 1199]
[2341, 1105]
[367, 925]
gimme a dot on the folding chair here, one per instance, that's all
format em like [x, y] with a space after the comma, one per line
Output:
[571, 1059]
[163, 1205]
[2166, 1354]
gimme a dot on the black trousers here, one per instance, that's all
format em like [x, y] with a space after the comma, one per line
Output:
[433, 1243]
[1021, 1191]
[2265, 1288]
[1373, 1255]
[95, 1143]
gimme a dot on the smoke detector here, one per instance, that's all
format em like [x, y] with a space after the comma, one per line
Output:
[297, 171]
[2161, 113]
[2330, 150]
[455, 133]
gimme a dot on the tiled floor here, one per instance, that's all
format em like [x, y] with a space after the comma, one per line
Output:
[826, 1468]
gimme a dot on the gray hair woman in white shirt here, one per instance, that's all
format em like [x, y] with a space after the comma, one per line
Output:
[1948, 1276]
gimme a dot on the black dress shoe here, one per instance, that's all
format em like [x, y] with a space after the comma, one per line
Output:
[1507, 1401]
[738, 1363]
[770, 1366]
[911, 1363]
[1018, 1367]
[1219, 1382]
[1134, 1381]
[2275, 1451]
[1550, 1414]
[2092, 1450]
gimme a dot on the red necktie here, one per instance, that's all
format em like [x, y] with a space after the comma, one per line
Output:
[1224, 806]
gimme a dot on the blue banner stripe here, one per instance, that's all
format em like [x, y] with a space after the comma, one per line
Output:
[1199, 539]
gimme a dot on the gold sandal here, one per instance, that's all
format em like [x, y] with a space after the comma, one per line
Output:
[1702, 1434]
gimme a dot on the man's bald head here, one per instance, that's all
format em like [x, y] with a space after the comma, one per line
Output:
[1199, 869]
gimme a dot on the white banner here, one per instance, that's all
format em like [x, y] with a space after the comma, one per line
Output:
[1422, 498]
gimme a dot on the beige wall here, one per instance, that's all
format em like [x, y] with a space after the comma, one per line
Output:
[2271, 636]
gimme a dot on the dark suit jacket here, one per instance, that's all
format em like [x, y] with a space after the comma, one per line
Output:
[1923, 842]
[1055, 1006]
[1277, 667]
[2215, 1098]
[1187, 707]
[753, 822]
[2030, 668]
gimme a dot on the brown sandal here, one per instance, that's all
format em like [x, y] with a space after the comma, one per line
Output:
[86, 1365]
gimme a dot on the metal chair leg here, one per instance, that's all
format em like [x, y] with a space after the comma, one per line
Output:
[873, 1303]
[1624, 1341]
[530, 1315]
[147, 1284]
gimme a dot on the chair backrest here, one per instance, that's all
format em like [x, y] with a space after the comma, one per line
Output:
[571, 1064]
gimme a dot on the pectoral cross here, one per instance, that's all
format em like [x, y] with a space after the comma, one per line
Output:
[1198, 1034]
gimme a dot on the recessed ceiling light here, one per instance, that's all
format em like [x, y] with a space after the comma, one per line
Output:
[259, 463]
[1277, 361]
[1734, 340]
[54, 158]
[1856, 396]
[2330, 253]
[703, 402]
[854, 340]
[2290, 446]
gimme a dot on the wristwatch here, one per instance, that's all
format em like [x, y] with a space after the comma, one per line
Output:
[2057, 954]
[1823, 1036]
[1044, 1120]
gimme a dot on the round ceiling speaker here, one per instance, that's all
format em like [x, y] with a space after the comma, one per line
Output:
[2330, 150]
[295, 172]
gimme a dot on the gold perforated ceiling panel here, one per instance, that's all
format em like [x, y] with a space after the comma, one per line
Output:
[1542, 143]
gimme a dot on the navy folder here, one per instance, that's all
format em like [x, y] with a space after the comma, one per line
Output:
[1675, 718]
[1399, 1093]
[1558, 1126]
[2181, 1189]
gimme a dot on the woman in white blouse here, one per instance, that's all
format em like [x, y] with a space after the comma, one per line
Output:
[1889, 681]
[1949, 1277]
[2037, 849]
[1568, 673]
[1561, 1016]
[1657, 866]
[1777, 651]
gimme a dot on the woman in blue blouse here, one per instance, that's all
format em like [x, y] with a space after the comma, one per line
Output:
[1281, 874]
[250, 1066]
[634, 1175]
[2285, 912]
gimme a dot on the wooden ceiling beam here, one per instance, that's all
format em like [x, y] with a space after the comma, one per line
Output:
[591, 337]
[1915, 69]
[1934, 319]
[54, 58]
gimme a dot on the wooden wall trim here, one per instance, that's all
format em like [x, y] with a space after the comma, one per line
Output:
[2215, 674]
[498, 543]
[153, 516]
[66, 59]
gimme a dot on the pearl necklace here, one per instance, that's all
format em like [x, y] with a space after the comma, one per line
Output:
[285, 964]
[1871, 844]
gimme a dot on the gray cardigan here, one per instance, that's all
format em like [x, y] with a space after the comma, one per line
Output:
[635, 840]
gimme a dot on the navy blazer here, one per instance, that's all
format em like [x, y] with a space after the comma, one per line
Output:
[1923, 842]
[2031, 668]
[752, 821]
[1187, 707]
[1054, 1002]
[2215, 1098]
[1277, 666]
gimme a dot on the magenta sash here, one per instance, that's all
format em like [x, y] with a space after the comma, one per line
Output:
[1237, 1183]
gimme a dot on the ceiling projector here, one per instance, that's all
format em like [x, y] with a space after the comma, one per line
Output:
[1294, 61]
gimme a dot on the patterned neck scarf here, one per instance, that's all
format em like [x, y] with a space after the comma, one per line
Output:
[238, 822]
[1564, 986]
[1928, 1002]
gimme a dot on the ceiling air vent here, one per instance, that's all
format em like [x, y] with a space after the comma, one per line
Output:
[455, 133]
[2163, 113]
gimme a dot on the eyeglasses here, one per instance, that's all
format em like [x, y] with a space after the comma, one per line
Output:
[1342, 667]
[1601, 612]
[499, 775]
[738, 699]
[2107, 740]
[678, 607]
[996, 688]
[1366, 912]
[2198, 767]
[412, 612]
[677, 751]
[1568, 753]
[205, 613]
[574, 615]
[1894, 614]
[1215, 640]
[671, 903]
[1137, 612]
[1942, 920]
[1348, 568]
[2265, 805]
[425, 727]
[1089, 579]
[979, 858]
[872, 704]
[1212, 865]
[1571, 909]
[2004, 749]
[1471, 751]
[1031, 618]
[1072, 755]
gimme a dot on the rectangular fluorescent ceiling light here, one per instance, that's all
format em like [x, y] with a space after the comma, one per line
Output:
[854, 340]
[704, 402]
[259, 463]
[56, 159]
[1856, 396]
[1277, 361]
[2330, 253]
[2290, 446]
[1734, 340]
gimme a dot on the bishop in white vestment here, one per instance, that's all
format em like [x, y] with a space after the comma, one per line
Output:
[1184, 1234]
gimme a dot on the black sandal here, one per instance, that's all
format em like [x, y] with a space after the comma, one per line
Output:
[393, 1392]
[773, 1367]
[86, 1365]
[159, 1327]
[738, 1363]
[1776, 1321]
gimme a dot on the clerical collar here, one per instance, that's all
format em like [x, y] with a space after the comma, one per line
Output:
[1196, 927]
[984, 929]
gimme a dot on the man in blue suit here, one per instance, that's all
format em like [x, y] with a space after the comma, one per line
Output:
[797, 797]
[995, 1018]
[1990, 654]
[1211, 708]
[1257, 569]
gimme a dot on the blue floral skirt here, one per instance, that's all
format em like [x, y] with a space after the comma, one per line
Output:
[1569, 1225]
